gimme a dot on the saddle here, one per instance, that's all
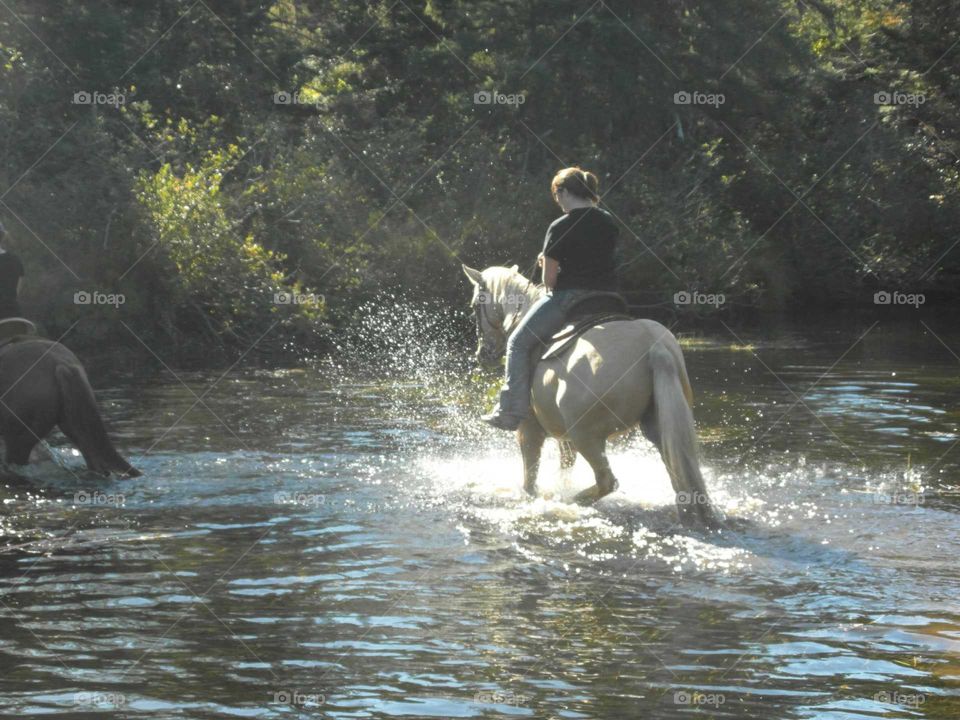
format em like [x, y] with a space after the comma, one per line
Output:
[15, 328]
[592, 310]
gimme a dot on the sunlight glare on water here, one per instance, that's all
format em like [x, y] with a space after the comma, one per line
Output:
[489, 486]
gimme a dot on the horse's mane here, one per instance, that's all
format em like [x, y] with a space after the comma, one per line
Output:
[503, 282]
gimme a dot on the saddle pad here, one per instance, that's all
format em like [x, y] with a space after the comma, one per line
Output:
[565, 338]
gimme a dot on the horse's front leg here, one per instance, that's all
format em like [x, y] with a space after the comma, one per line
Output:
[568, 455]
[530, 436]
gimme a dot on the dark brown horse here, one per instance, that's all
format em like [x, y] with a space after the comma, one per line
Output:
[42, 386]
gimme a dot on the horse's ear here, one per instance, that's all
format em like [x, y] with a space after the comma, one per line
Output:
[515, 268]
[474, 275]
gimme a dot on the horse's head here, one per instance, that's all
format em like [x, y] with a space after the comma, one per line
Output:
[500, 298]
[491, 337]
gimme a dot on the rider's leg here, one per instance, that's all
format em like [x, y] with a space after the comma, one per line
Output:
[545, 317]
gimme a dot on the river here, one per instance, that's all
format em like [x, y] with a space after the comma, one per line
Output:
[346, 540]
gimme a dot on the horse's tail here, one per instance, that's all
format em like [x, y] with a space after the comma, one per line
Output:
[80, 421]
[678, 438]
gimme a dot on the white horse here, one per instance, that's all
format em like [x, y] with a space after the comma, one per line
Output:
[616, 376]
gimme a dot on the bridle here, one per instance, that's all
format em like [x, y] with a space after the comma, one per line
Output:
[483, 316]
[503, 327]
[495, 327]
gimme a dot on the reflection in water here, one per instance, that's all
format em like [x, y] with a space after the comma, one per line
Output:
[298, 543]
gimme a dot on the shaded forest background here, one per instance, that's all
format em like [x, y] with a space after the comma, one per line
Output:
[247, 173]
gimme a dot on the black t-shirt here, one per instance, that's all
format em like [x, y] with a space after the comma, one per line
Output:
[583, 242]
[11, 270]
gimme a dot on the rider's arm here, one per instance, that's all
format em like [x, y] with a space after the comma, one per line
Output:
[552, 249]
[550, 269]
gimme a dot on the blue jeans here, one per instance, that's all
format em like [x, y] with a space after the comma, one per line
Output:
[545, 317]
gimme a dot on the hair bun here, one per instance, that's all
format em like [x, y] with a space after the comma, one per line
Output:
[590, 180]
[579, 182]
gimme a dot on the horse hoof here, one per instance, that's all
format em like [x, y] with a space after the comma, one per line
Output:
[587, 497]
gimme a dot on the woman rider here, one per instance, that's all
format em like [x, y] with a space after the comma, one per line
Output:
[577, 258]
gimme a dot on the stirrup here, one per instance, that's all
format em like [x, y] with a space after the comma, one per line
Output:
[502, 421]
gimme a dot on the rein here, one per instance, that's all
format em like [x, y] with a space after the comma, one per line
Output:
[483, 315]
[517, 317]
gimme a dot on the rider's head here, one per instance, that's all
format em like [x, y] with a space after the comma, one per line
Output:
[574, 184]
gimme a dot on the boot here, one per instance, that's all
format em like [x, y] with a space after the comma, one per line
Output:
[501, 420]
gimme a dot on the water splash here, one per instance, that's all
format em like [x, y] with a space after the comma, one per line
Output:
[637, 521]
[400, 339]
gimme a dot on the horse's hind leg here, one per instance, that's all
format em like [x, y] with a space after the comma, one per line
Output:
[593, 448]
[530, 436]
[20, 444]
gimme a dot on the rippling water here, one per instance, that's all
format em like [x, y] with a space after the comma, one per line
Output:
[301, 544]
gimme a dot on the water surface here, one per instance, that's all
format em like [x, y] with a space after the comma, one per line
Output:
[316, 541]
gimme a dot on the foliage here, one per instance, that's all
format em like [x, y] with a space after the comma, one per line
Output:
[205, 192]
[231, 281]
